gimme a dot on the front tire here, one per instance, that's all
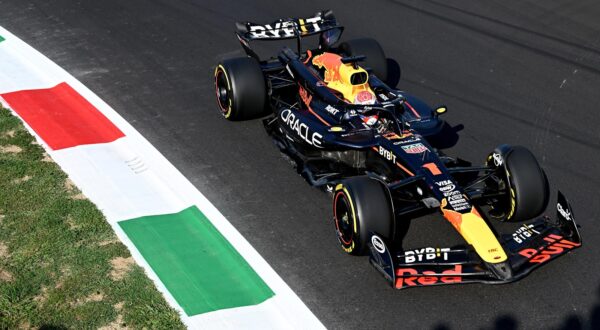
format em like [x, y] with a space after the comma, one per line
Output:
[362, 206]
[525, 181]
[240, 89]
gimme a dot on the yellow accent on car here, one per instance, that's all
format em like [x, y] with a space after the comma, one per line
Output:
[336, 129]
[338, 76]
[477, 233]
[302, 26]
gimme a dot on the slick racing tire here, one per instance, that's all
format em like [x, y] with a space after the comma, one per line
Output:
[372, 50]
[361, 206]
[526, 183]
[240, 88]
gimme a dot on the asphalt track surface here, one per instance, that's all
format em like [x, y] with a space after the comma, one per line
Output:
[518, 72]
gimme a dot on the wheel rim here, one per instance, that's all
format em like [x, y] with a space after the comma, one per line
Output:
[222, 91]
[501, 206]
[342, 214]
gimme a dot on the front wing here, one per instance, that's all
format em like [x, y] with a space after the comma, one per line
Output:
[529, 247]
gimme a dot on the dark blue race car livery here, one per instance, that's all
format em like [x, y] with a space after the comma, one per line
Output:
[375, 148]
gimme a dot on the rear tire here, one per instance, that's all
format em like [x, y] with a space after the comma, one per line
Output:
[526, 182]
[372, 50]
[240, 88]
[361, 206]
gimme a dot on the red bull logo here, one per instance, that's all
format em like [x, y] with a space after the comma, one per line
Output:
[338, 76]
[331, 62]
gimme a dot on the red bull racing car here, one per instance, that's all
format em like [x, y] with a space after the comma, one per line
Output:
[331, 110]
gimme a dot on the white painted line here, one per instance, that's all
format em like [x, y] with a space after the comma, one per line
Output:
[123, 183]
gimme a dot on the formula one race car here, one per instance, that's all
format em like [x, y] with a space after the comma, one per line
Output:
[330, 110]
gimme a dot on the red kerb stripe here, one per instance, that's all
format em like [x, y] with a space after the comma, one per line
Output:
[62, 117]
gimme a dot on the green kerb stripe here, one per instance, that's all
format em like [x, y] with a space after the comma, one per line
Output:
[195, 262]
[1, 39]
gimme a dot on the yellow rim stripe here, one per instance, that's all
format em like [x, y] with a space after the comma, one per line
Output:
[352, 207]
[228, 113]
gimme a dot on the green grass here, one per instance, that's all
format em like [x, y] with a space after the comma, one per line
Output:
[58, 253]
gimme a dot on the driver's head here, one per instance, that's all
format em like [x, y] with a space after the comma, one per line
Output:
[370, 120]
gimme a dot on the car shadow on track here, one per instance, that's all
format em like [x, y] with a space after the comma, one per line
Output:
[394, 73]
[448, 136]
[573, 321]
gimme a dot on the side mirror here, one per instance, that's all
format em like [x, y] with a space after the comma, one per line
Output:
[330, 37]
[441, 110]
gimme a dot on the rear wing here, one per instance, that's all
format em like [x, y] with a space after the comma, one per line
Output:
[323, 23]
